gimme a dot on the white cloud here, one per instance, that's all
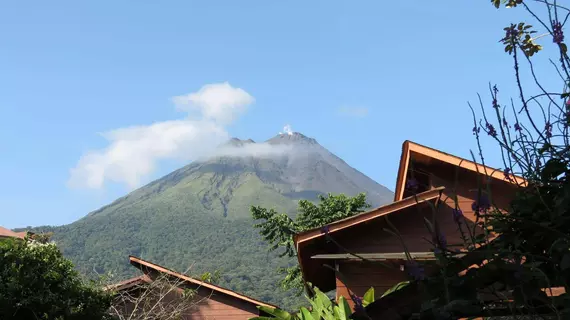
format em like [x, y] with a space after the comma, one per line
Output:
[357, 112]
[133, 152]
[219, 102]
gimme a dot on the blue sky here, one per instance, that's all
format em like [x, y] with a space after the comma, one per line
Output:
[71, 70]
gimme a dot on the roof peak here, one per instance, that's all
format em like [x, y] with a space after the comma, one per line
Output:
[140, 263]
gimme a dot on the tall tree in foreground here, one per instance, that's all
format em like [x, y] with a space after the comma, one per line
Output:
[278, 228]
[37, 282]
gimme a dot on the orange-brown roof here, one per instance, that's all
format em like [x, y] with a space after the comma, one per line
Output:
[411, 149]
[129, 283]
[369, 215]
[7, 233]
[142, 264]
[303, 239]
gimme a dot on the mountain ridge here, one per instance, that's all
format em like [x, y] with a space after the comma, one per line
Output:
[200, 213]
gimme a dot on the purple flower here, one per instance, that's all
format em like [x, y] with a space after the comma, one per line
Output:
[415, 270]
[505, 123]
[457, 215]
[412, 184]
[557, 33]
[548, 128]
[357, 302]
[491, 130]
[517, 127]
[325, 229]
[481, 205]
[476, 130]
[495, 103]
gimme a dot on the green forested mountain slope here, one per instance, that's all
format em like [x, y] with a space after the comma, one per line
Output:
[199, 215]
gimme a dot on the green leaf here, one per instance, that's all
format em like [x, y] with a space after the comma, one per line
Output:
[395, 288]
[306, 315]
[278, 313]
[343, 308]
[368, 297]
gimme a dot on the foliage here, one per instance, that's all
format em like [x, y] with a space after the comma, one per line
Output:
[321, 308]
[102, 245]
[37, 282]
[210, 277]
[278, 228]
[515, 272]
[395, 288]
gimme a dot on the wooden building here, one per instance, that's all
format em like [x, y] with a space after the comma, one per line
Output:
[208, 301]
[356, 253]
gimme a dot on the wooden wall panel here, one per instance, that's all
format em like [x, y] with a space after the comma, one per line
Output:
[210, 304]
[217, 306]
[370, 237]
[357, 278]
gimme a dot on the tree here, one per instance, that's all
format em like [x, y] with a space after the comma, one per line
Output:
[37, 282]
[278, 228]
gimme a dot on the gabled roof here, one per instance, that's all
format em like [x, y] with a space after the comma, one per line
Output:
[142, 265]
[7, 233]
[129, 283]
[411, 150]
[368, 215]
[306, 241]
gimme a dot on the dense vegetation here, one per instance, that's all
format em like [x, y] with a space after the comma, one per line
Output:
[235, 250]
[37, 282]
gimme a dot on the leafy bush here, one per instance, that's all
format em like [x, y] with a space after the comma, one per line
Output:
[321, 308]
[37, 282]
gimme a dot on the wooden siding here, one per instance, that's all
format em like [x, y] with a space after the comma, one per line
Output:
[207, 303]
[222, 307]
[356, 278]
[370, 237]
